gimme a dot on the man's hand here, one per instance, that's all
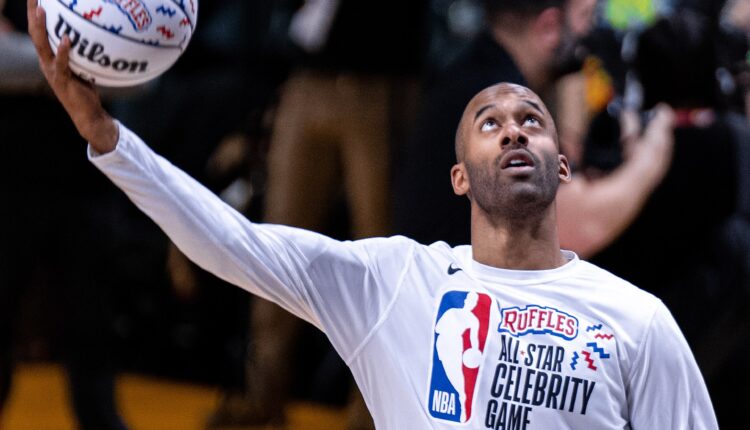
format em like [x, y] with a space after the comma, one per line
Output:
[79, 98]
[654, 148]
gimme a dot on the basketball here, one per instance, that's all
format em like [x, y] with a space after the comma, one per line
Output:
[121, 43]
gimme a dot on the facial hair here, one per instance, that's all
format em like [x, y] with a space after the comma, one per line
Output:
[569, 55]
[514, 199]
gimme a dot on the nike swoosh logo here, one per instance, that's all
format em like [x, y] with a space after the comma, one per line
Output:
[452, 270]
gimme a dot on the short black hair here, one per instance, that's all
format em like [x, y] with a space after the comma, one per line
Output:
[520, 7]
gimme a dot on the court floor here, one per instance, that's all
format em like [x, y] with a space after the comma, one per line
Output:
[38, 401]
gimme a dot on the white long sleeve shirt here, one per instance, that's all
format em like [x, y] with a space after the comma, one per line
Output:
[434, 339]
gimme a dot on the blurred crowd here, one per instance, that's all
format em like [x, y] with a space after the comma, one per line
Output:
[339, 116]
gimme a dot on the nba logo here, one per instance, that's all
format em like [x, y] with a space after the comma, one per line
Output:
[460, 333]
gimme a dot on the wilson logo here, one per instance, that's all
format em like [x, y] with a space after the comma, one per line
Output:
[93, 52]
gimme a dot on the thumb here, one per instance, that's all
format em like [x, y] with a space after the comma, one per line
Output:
[664, 116]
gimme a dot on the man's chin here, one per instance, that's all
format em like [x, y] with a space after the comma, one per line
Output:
[515, 200]
[523, 190]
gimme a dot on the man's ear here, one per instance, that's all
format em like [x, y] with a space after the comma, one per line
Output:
[459, 179]
[564, 173]
[548, 27]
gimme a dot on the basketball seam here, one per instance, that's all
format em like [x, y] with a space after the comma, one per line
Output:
[187, 15]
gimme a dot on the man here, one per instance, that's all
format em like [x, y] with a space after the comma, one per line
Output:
[561, 343]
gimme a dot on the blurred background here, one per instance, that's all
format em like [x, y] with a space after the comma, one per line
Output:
[338, 116]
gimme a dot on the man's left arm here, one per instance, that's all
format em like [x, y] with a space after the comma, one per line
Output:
[592, 213]
[665, 387]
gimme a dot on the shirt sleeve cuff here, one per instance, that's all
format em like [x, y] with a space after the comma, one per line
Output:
[96, 157]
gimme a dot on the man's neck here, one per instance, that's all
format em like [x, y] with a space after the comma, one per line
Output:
[529, 244]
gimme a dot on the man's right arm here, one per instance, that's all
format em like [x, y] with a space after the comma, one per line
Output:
[270, 261]
[343, 288]
[271, 264]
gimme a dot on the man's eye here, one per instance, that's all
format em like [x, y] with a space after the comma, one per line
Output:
[531, 120]
[489, 125]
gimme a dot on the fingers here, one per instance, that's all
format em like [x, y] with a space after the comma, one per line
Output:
[62, 57]
[38, 32]
[664, 115]
[661, 125]
[630, 125]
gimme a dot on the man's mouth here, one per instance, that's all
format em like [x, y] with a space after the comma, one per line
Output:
[517, 160]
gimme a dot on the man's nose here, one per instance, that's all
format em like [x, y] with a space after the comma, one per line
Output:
[513, 134]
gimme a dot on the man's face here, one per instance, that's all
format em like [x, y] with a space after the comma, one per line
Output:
[509, 161]
[579, 15]
[577, 22]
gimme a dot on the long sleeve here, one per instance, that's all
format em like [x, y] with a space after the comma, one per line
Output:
[666, 389]
[341, 287]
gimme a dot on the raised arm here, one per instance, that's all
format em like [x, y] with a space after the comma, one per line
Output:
[209, 232]
[343, 288]
[591, 213]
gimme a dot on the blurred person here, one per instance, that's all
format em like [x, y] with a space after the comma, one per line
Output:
[737, 12]
[735, 24]
[599, 206]
[595, 209]
[379, 300]
[45, 235]
[531, 43]
[690, 245]
[19, 67]
[352, 67]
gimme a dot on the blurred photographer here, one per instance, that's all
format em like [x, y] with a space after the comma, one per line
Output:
[690, 244]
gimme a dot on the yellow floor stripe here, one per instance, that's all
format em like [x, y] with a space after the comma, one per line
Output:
[39, 401]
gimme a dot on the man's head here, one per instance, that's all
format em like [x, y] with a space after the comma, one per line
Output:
[508, 157]
[577, 14]
[547, 33]
[677, 59]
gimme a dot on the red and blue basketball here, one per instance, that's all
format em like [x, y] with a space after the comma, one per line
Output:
[121, 43]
